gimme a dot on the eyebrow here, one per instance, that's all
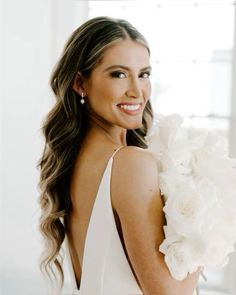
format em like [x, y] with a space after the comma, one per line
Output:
[126, 68]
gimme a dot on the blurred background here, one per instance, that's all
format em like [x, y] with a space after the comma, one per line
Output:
[194, 74]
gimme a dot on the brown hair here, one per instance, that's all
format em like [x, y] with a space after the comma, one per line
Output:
[66, 125]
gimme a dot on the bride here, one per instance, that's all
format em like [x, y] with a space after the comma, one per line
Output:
[99, 189]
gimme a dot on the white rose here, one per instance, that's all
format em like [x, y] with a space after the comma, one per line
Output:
[198, 181]
[188, 207]
[218, 244]
[219, 171]
[179, 257]
[170, 181]
[214, 167]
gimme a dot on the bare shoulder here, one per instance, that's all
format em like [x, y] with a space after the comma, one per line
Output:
[134, 175]
[134, 162]
[134, 154]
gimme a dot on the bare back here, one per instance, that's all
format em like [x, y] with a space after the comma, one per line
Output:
[137, 201]
[86, 178]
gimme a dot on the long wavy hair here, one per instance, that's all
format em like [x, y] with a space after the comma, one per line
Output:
[65, 127]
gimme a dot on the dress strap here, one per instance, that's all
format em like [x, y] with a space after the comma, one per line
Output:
[116, 150]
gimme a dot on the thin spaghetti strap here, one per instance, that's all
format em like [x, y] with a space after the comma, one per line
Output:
[116, 151]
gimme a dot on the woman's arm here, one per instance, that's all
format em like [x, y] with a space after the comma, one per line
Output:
[138, 203]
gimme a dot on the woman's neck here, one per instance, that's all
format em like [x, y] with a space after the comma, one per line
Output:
[115, 136]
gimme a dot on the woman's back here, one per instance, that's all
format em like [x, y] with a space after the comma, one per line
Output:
[94, 232]
[138, 218]
[85, 182]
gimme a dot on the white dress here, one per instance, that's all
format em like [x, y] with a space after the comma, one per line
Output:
[105, 269]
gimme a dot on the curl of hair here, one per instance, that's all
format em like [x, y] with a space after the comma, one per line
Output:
[66, 125]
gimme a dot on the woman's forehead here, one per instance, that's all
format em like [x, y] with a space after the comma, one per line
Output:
[125, 52]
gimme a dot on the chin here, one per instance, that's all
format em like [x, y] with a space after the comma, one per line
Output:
[133, 126]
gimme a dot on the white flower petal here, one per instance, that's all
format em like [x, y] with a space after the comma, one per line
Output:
[198, 181]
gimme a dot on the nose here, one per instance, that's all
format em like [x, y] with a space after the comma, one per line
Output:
[134, 89]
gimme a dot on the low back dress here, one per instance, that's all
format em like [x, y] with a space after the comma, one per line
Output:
[105, 269]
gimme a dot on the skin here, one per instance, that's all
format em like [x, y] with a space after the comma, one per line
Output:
[110, 84]
[135, 194]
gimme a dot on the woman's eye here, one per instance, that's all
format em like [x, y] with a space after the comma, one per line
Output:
[145, 75]
[118, 74]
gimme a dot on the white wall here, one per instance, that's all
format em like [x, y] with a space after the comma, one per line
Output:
[33, 35]
[26, 62]
[232, 133]
[230, 275]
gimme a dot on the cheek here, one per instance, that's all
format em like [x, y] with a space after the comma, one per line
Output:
[105, 87]
[147, 90]
[103, 95]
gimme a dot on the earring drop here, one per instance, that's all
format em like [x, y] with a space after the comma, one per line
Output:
[82, 101]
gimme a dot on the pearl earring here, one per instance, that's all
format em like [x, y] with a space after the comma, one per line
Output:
[82, 101]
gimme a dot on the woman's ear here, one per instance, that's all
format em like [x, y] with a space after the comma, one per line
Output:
[78, 84]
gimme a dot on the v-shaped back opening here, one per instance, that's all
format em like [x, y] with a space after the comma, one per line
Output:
[89, 223]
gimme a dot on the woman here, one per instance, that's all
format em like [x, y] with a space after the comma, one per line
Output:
[99, 183]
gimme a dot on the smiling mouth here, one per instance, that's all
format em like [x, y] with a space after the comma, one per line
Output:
[131, 109]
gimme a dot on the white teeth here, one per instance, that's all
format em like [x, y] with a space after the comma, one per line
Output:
[130, 107]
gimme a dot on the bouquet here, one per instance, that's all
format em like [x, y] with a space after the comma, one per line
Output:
[198, 183]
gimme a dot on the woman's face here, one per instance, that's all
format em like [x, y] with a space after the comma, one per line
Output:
[119, 87]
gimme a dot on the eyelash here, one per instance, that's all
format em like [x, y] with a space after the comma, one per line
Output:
[116, 74]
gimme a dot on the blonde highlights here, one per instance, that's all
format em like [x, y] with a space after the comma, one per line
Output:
[66, 125]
